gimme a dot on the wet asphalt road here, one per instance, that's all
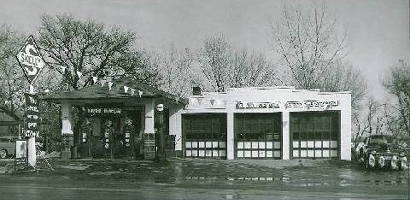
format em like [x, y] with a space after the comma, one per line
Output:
[203, 179]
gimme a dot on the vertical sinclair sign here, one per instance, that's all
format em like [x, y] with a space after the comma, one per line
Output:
[32, 116]
[30, 59]
[31, 62]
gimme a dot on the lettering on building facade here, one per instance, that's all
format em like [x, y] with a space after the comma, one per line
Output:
[102, 111]
[256, 105]
[308, 104]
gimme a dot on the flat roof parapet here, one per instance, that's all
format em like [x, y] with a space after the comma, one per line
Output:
[279, 88]
[262, 88]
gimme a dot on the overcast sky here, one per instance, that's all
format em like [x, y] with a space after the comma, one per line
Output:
[378, 30]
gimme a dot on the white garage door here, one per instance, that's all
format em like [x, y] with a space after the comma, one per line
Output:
[204, 135]
[315, 135]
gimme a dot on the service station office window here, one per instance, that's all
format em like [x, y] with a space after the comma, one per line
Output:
[258, 135]
[315, 134]
[204, 135]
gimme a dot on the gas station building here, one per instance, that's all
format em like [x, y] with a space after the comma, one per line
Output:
[241, 123]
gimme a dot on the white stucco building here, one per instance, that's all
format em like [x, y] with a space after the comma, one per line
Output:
[265, 122]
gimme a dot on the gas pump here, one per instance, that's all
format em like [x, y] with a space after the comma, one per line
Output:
[86, 131]
[128, 129]
[128, 137]
[107, 138]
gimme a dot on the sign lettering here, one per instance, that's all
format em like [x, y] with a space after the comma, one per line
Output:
[102, 111]
[32, 115]
[35, 117]
[311, 104]
[256, 105]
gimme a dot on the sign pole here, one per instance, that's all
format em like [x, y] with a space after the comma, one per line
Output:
[31, 62]
[31, 143]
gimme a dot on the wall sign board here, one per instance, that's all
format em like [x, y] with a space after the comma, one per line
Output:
[21, 149]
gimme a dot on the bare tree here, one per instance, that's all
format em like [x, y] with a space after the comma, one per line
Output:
[139, 66]
[176, 72]
[12, 80]
[215, 57]
[397, 83]
[374, 119]
[250, 70]
[224, 66]
[344, 77]
[309, 45]
[76, 48]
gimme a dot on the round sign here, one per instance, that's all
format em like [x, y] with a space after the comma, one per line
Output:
[160, 107]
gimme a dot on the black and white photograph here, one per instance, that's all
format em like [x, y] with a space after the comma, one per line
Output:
[204, 99]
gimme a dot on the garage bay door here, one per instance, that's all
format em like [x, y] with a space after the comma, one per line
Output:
[315, 134]
[204, 135]
[258, 135]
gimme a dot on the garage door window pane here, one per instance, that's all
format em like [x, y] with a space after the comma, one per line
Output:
[326, 153]
[222, 145]
[295, 144]
[333, 153]
[295, 153]
[318, 144]
[215, 153]
[325, 144]
[303, 153]
[194, 153]
[222, 153]
[318, 153]
[333, 144]
[276, 145]
[261, 145]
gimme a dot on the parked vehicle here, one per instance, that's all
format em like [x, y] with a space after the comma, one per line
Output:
[7, 146]
[380, 151]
